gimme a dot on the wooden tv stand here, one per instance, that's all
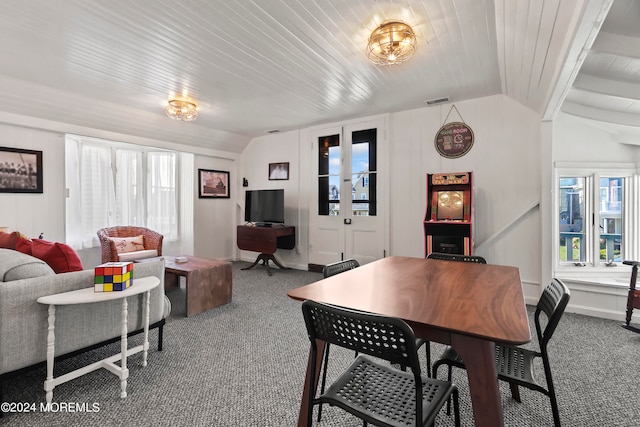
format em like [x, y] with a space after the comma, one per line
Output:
[266, 240]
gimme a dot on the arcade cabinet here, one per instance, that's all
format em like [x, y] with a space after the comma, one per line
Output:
[448, 222]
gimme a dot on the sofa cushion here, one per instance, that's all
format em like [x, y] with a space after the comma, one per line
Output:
[62, 258]
[128, 244]
[16, 265]
[133, 256]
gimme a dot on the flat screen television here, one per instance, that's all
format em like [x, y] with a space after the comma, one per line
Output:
[264, 207]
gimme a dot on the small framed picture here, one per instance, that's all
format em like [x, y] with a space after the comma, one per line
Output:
[213, 184]
[20, 170]
[278, 171]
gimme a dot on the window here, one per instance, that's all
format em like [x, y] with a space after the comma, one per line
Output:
[113, 183]
[594, 216]
[363, 170]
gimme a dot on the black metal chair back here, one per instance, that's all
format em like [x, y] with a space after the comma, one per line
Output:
[552, 302]
[383, 337]
[339, 267]
[457, 257]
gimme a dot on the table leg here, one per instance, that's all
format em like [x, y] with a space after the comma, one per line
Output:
[51, 346]
[304, 405]
[145, 344]
[124, 372]
[479, 360]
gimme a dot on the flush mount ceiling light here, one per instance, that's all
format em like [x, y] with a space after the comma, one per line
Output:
[179, 109]
[391, 43]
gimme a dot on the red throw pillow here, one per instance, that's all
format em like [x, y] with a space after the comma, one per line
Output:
[23, 245]
[60, 257]
[8, 240]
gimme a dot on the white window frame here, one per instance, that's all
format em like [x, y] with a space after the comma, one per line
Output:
[86, 239]
[593, 269]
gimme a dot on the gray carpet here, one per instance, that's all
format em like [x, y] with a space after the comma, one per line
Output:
[243, 365]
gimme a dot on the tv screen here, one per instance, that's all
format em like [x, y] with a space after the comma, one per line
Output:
[264, 207]
[450, 205]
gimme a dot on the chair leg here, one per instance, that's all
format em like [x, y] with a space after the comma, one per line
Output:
[427, 349]
[515, 392]
[456, 408]
[552, 398]
[449, 400]
[324, 377]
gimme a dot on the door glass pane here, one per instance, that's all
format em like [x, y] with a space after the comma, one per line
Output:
[363, 168]
[572, 241]
[611, 208]
[329, 175]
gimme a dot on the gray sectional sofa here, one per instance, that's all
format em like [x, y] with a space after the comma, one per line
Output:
[23, 321]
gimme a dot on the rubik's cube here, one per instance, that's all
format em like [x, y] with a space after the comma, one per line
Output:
[113, 276]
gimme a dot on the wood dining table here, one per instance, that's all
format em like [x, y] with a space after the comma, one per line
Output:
[466, 305]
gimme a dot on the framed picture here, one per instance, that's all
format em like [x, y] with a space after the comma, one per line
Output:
[20, 171]
[278, 171]
[213, 184]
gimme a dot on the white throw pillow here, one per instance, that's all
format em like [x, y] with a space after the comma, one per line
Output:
[128, 244]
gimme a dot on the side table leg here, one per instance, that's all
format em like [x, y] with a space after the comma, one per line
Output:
[51, 346]
[145, 344]
[124, 372]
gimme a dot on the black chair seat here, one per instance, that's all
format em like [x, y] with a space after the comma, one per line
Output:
[513, 364]
[383, 395]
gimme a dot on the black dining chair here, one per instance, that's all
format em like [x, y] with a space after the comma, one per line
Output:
[514, 364]
[375, 392]
[337, 268]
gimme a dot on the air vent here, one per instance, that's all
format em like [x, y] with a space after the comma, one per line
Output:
[437, 100]
[274, 131]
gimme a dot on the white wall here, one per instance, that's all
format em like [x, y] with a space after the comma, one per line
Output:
[214, 219]
[505, 162]
[31, 213]
[510, 180]
[580, 140]
[254, 166]
[504, 159]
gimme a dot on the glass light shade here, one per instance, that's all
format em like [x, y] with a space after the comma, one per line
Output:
[182, 110]
[391, 43]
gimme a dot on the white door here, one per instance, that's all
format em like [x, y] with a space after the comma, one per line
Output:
[347, 217]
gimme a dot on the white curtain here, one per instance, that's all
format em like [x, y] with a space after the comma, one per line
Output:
[129, 188]
[162, 211]
[91, 203]
[97, 192]
[73, 202]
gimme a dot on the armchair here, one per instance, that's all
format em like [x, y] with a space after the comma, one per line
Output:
[152, 242]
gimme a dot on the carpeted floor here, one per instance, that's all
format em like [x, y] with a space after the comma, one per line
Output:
[243, 365]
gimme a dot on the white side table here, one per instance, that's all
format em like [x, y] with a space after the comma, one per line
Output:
[86, 296]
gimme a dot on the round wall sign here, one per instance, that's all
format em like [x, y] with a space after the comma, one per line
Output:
[454, 139]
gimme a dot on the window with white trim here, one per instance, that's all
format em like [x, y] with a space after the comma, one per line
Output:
[596, 215]
[112, 183]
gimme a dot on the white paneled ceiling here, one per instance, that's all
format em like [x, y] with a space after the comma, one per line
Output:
[259, 65]
[607, 89]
